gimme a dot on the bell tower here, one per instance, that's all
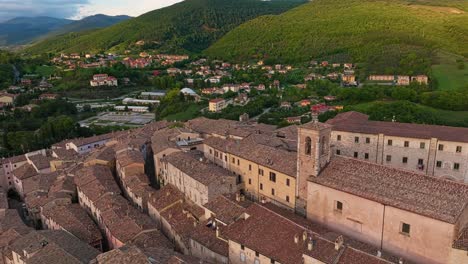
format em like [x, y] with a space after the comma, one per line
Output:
[313, 153]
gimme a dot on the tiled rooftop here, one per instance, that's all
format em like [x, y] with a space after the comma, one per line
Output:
[53, 246]
[224, 209]
[202, 170]
[129, 157]
[435, 198]
[167, 196]
[74, 220]
[274, 158]
[25, 171]
[359, 123]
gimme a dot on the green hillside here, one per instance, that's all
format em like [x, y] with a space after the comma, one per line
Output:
[390, 35]
[192, 25]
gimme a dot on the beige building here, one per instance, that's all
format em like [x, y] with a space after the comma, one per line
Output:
[216, 105]
[264, 172]
[427, 149]
[415, 216]
[7, 99]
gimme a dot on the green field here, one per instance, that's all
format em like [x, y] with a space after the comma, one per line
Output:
[448, 74]
[191, 112]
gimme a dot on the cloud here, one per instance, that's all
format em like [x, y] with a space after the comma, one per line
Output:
[122, 7]
[54, 8]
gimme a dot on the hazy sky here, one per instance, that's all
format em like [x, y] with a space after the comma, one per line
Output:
[78, 8]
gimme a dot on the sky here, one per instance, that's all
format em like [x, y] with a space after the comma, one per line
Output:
[76, 9]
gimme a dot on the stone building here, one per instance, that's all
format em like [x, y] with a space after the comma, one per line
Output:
[198, 178]
[427, 149]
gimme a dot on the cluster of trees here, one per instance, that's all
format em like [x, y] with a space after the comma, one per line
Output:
[447, 100]
[47, 124]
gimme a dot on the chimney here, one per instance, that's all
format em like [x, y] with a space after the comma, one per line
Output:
[304, 236]
[315, 117]
[339, 242]
[217, 232]
[238, 197]
[296, 238]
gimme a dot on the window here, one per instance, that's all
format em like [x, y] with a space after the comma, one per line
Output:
[439, 164]
[272, 191]
[338, 206]
[250, 181]
[367, 140]
[355, 154]
[225, 158]
[233, 160]
[216, 153]
[338, 152]
[250, 167]
[261, 186]
[441, 147]
[420, 161]
[422, 145]
[456, 166]
[356, 139]
[272, 261]
[257, 254]
[406, 144]
[287, 198]
[287, 182]
[405, 228]
[242, 247]
[238, 162]
[405, 160]
[242, 256]
[260, 172]
[308, 146]
[459, 149]
[272, 176]
[390, 142]
[338, 138]
[389, 158]
[366, 156]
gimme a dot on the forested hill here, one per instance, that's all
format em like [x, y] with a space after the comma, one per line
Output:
[381, 32]
[192, 25]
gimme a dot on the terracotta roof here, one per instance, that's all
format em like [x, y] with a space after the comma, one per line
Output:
[262, 225]
[129, 157]
[164, 139]
[179, 220]
[351, 255]
[65, 154]
[462, 240]
[205, 172]
[122, 219]
[225, 127]
[104, 154]
[151, 239]
[274, 158]
[85, 141]
[10, 219]
[207, 237]
[40, 162]
[24, 172]
[167, 196]
[16, 159]
[74, 220]
[53, 247]
[224, 209]
[95, 181]
[359, 123]
[432, 197]
[40, 182]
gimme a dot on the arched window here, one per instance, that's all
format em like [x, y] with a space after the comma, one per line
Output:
[308, 146]
[324, 145]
